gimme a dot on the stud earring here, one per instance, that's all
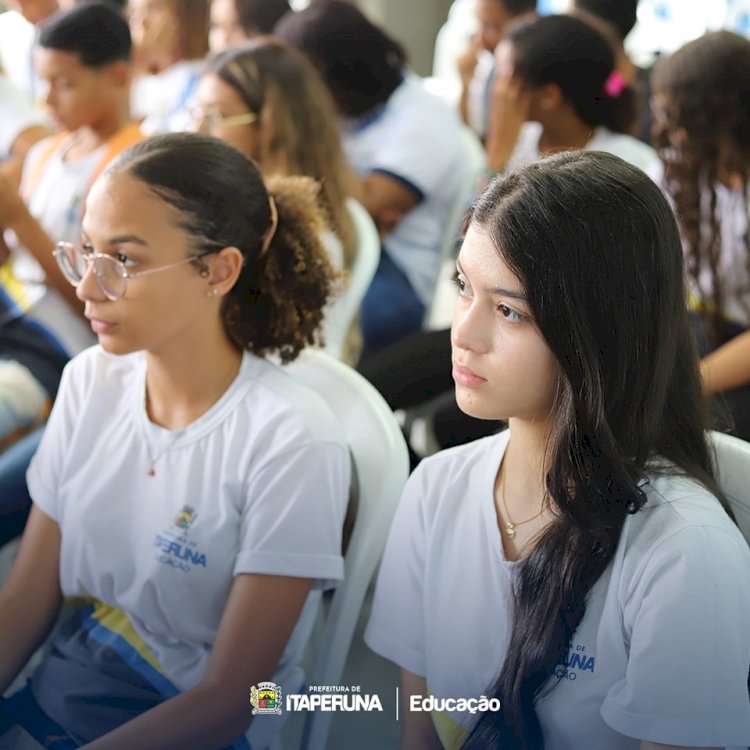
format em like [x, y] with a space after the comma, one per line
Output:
[213, 292]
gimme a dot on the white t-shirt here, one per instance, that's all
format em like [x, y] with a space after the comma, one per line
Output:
[17, 38]
[661, 654]
[630, 149]
[57, 195]
[16, 115]
[163, 98]
[732, 214]
[416, 139]
[258, 484]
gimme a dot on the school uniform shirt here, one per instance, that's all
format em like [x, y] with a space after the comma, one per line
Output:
[258, 484]
[416, 140]
[630, 149]
[732, 215]
[162, 99]
[662, 652]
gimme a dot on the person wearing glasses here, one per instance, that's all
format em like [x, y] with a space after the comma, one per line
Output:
[83, 56]
[267, 100]
[188, 493]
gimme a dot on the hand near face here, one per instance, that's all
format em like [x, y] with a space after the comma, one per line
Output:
[467, 61]
[509, 109]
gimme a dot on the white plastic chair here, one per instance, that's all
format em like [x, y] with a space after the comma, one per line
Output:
[732, 461]
[345, 309]
[380, 467]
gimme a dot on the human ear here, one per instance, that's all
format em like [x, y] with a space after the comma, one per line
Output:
[549, 96]
[226, 266]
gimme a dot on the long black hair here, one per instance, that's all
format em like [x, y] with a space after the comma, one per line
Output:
[572, 54]
[594, 243]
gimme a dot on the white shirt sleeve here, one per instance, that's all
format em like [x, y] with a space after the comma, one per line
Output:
[293, 519]
[43, 475]
[417, 132]
[396, 629]
[692, 597]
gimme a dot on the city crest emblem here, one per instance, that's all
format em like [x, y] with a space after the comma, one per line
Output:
[184, 519]
[265, 698]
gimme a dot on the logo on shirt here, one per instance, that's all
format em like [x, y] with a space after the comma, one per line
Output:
[184, 519]
[577, 662]
[175, 548]
[265, 698]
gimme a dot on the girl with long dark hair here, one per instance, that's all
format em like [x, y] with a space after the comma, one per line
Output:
[701, 103]
[577, 581]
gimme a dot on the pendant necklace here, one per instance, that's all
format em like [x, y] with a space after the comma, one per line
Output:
[510, 526]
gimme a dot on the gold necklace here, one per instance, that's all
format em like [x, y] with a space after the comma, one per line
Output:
[510, 526]
[178, 434]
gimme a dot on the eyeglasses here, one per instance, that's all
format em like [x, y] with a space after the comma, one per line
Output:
[111, 274]
[212, 119]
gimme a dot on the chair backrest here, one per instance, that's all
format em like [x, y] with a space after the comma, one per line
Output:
[346, 308]
[380, 469]
[732, 461]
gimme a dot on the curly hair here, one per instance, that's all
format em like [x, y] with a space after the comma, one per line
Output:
[702, 133]
[288, 288]
[277, 304]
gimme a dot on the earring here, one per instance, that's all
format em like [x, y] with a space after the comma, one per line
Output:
[205, 272]
[213, 292]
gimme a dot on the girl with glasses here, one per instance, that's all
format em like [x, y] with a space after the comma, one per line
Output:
[578, 579]
[187, 493]
[269, 102]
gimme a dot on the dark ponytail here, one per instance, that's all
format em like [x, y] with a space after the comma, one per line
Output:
[609, 300]
[278, 302]
[570, 53]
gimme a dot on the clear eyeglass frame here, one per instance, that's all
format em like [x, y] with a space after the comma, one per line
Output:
[111, 274]
[214, 120]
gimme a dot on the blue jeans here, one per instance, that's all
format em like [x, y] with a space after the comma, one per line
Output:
[22, 710]
[14, 495]
[391, 308]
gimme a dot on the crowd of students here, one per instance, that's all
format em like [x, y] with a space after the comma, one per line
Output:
[191, 213]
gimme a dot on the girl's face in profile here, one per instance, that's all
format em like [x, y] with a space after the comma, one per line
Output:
[126, 220]
[221, 109]
[502, 365]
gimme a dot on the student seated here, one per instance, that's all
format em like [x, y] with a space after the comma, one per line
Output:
[266, 99]
[405, 145]
[476, 67]
[557, 88]
[701, 103]
[189, 495]
[581, 568]
[170, 40]
[83, 56]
